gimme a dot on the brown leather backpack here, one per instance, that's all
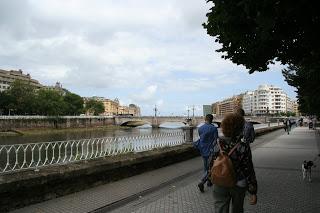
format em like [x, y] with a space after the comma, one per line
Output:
[222, 171]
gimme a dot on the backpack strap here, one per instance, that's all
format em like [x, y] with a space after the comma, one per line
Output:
[234, 148]
[231, 151]
[220, 150]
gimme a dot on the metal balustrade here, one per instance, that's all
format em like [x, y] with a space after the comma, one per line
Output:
[18, 157]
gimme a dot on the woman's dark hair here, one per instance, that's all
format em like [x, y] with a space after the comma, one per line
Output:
[232, 125]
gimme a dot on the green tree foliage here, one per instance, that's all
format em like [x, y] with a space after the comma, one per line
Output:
[256, 33]
[50, 102]
[20, 98]
[94, 106]
[5, 103]
[74, 104]
[306, 79]
[23, 99]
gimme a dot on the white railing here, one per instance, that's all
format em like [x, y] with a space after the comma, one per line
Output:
[14, 117]
[36, 155]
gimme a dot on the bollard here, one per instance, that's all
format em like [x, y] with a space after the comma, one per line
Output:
[268, 123]
[189, 134]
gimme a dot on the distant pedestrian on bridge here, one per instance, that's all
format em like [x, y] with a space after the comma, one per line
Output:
[208, 138]
[248, 129]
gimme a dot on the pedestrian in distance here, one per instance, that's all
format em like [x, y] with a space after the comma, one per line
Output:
[238, 151]
[248, 129]
[285, 127]
[208, 134]
[288, 125]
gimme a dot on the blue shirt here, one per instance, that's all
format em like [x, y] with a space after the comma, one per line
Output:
[208, 137]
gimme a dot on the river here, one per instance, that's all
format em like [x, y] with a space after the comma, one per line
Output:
[35, 136]
[70, 134]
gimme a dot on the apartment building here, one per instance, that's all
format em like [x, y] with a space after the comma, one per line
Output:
[227, 105]
[8, 77]
[267, 99]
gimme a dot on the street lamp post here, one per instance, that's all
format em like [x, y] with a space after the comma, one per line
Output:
[188, 112]
[155, 110]
[193, 111]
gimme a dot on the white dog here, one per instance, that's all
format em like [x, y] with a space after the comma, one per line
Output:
[306, 169]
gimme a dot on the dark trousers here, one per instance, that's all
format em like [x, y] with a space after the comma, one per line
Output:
[206, 167]
[223, 196]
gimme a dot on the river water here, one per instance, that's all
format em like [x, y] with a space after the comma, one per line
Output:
[113, 131]
[69, 134]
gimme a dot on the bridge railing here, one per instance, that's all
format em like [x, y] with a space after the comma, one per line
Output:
[18, 157]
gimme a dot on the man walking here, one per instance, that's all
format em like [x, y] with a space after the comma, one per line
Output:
[208, 138]
[248, 129]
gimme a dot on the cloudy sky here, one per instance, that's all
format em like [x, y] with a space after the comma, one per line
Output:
[145, 52]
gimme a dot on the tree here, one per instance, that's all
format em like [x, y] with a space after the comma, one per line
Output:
[74, 104]
[306, 79]
[94, 106]
[256, 33]
[21, 97]
[50, 102]
[5, 101]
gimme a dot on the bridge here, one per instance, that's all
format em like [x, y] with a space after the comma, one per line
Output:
[157, 121]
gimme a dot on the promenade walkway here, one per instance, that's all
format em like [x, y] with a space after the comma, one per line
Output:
[277, 159]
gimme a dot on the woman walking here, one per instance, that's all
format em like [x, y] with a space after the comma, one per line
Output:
[240, 154]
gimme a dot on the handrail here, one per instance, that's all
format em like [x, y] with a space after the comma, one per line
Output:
[19, 157]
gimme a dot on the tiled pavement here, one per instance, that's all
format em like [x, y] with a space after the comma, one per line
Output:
[278, 168]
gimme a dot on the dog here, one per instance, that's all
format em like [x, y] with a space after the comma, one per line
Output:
[306, 169]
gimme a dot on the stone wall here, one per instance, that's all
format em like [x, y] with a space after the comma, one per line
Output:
[7, 124]
[28, 187]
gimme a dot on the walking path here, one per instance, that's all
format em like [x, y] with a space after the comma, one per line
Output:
[277, 159]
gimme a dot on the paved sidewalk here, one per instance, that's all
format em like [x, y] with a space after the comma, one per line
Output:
[173, 188]
[278, 168]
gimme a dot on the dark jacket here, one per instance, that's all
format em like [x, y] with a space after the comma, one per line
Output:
[242, 161]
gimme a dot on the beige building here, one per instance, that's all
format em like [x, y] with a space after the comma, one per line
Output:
[134, 110]
[123, 110]
[8, 77]
[226, 106]
[113, 107]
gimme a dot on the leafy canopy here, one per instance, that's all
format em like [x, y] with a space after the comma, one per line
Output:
[256, 33]
[94, 106]
[23, 99]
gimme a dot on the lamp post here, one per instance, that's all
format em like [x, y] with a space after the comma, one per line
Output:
[193, 111]
[188, 112]
[155, 110]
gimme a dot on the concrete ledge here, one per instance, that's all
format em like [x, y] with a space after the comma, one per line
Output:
[28, 187]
